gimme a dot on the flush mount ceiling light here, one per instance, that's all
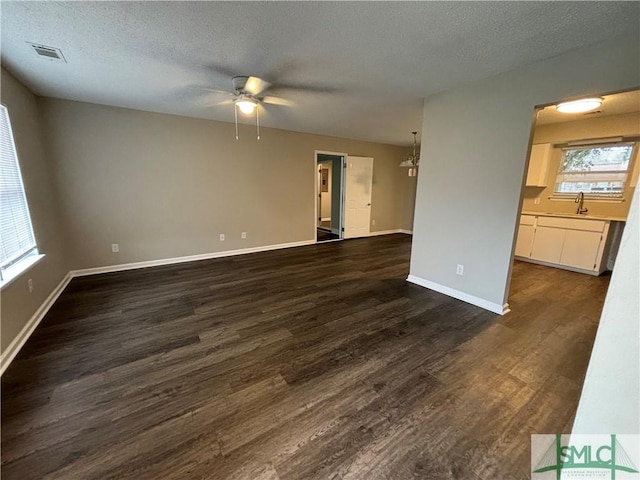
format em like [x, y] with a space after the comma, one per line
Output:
[579, 106]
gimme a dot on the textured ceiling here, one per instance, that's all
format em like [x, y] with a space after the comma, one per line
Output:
[369, 64]
[615, 104]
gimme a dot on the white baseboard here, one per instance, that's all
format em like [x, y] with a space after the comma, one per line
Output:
[189, 258]
[465, 297]
[389, 232]
[18, 342]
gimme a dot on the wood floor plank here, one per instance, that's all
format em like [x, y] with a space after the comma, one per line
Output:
[317, 362]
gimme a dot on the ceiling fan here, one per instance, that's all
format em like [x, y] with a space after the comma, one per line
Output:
[248, 93]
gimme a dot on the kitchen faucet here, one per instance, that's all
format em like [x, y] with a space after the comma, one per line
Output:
[580, 201]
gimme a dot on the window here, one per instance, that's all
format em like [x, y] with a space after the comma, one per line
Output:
[17, 242]
[595, 170]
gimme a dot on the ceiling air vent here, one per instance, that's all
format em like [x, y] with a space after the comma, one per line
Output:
[50, 53]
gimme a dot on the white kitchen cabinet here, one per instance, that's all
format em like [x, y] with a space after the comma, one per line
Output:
[538, 165]
[547, 244]
[580, 249]
[524, 241]
[565, 242]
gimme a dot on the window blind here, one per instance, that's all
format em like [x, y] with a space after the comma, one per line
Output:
[16, 233]
[595, 170]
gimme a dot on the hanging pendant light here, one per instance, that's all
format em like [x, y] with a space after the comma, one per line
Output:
[413, 160]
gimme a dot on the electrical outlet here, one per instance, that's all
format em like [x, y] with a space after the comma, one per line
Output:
[115, 248]
[459, 269]
[373, 222]
[222, 237]
[536, 201]
[244, 235]
[30, 285]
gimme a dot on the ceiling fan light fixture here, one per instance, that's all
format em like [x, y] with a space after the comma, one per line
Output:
[579, 106]
[246, 105]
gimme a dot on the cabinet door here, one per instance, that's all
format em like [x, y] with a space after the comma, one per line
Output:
[524, 241]
[547, 244]
[538, 165]
[580, 249]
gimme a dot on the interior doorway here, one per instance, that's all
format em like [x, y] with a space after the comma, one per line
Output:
[581, 174]
[329, 214]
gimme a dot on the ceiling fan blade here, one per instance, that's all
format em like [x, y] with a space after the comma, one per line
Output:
[255, 85]
[223, 102]
[215, 90]
[276, 101]
[305, 88]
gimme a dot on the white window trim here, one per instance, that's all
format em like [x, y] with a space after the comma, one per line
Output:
[604, 198]
[30, 256]
[15, 271]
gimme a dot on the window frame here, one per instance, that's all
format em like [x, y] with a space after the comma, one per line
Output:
[612, 197]
[31, 255]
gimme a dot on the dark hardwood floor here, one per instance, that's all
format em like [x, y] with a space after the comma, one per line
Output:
[318, 362]
[323, 235]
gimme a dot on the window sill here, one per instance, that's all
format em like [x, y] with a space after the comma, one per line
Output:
[572, 198]
[15, 271]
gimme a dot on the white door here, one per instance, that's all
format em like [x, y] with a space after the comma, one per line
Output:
[357, 196]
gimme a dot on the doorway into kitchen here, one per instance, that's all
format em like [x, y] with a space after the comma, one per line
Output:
[571, 249]
[581, 175]
[580, 179]
[329, 211]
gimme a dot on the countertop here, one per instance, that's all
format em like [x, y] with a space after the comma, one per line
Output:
[574, 215]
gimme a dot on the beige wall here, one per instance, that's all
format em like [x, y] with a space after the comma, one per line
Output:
[474, 145]
[164, 186]
[612, 126]
[17, 304]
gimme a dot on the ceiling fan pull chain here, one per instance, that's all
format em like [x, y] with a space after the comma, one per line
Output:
[258, 121]
[235, 110]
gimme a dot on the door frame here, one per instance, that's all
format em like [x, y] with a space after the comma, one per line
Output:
[343, 160]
